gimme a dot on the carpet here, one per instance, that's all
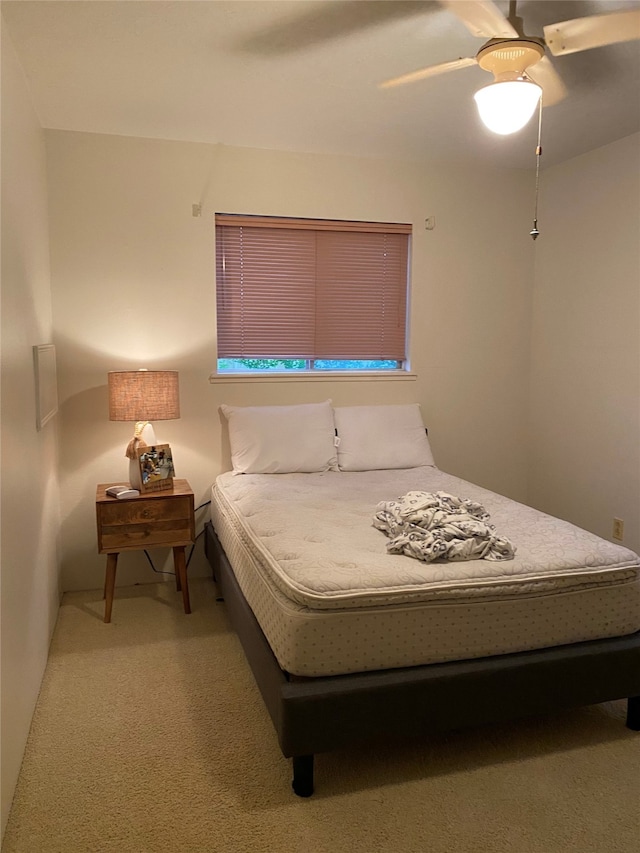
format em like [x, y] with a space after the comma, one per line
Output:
[150, 736]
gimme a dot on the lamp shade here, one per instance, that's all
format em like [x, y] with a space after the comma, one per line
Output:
[143, 395]
[506, 106]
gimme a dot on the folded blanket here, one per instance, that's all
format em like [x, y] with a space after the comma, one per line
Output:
[439, 526]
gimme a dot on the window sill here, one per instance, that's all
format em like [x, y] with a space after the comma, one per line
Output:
[314, 376]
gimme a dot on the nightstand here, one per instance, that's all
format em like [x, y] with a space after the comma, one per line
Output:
[154, 519]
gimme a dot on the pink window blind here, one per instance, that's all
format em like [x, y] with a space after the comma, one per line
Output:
[312, 289]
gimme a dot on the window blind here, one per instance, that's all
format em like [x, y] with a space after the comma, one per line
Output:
[312, 289]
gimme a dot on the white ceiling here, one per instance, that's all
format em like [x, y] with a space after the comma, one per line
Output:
[302, 75]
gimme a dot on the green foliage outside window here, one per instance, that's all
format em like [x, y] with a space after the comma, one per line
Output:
[246, 365]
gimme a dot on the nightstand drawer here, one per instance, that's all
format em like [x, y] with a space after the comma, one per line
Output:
[144, 535]
[145, 511]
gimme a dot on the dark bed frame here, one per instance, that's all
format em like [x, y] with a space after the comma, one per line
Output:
[320, 714]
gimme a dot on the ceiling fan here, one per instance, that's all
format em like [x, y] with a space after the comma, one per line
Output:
[520, 65]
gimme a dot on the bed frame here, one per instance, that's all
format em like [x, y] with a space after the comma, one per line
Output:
[320, 714]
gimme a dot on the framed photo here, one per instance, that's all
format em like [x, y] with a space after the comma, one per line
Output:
[156, 467]
[44, 365]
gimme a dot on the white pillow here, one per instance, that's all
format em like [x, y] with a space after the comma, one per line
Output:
[379, 437]
[281, 439]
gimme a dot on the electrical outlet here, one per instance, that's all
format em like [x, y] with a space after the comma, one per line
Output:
[618, 529]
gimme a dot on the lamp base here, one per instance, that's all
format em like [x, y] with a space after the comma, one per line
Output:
[135, 480]
[148, 436]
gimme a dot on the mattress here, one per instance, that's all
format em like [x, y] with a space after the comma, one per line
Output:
[331, 600]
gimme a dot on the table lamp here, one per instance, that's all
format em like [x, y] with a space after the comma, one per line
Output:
[142, 396]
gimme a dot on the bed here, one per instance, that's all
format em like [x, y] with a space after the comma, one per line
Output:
[349, 641]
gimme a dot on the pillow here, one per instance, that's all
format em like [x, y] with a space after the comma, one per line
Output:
[281, 439]
[377, 437]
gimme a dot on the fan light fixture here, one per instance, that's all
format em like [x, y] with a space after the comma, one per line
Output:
[507, 105]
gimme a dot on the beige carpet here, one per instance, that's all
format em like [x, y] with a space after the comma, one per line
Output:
[150, 735]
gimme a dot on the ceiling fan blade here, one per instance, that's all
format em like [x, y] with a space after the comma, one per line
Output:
[595, 31]
[481, 18]
[544, 74]
[429, 71]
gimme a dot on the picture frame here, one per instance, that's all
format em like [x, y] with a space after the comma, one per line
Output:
[46, 383]
[156, 467]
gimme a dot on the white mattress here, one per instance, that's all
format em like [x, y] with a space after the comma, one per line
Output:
[331, 600]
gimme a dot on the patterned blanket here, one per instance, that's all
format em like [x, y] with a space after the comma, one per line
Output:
[438, 526]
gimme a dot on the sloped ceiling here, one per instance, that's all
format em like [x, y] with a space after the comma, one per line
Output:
[302, 75]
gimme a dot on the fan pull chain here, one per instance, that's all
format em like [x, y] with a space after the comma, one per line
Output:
[534, 231]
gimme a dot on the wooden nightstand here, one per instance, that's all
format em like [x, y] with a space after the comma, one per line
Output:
[155, 519]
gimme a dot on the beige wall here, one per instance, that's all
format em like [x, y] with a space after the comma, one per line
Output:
[29, 492]
[133, 284]
[585, 380]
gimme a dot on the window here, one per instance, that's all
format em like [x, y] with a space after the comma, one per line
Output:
[309, 294]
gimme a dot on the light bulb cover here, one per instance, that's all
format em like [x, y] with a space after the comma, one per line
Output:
[506, 106]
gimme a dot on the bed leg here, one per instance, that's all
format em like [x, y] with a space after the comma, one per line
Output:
[633, 713]
[302, 782]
